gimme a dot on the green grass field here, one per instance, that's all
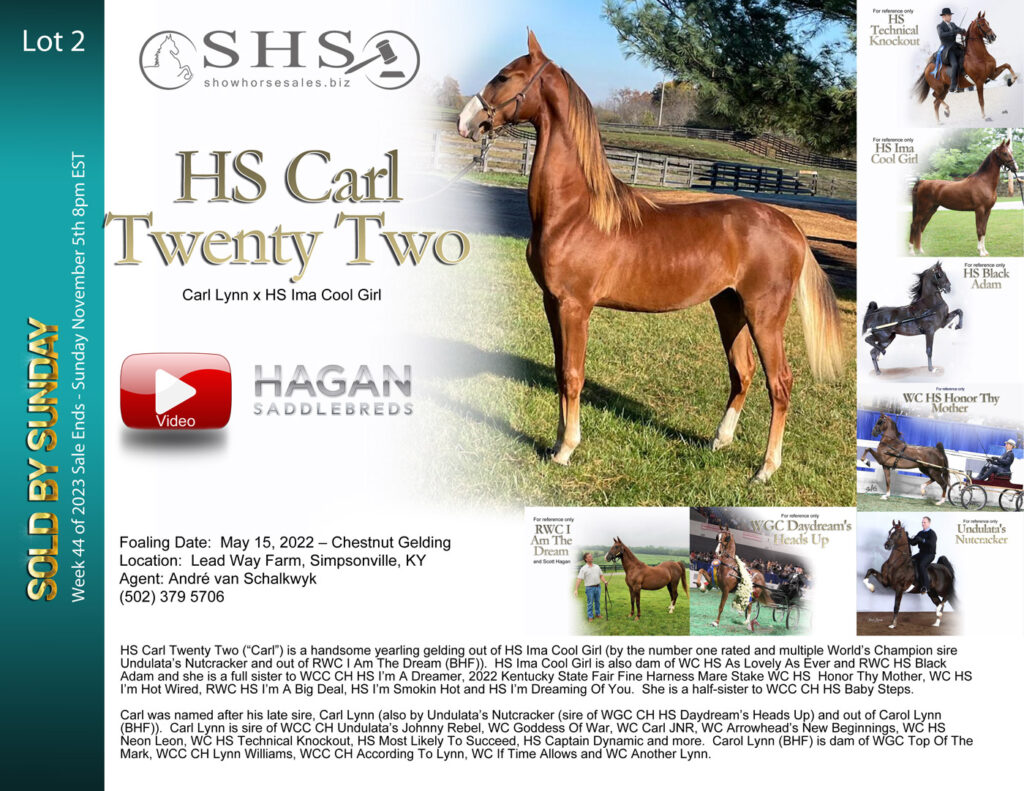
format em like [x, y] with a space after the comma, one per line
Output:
[656, 388]
[953, 233]
[874, 502]
[704, 608]
[654, 616]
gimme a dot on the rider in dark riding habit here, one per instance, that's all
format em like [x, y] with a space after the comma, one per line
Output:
[999, 465]
[948, 32]
[925, 542]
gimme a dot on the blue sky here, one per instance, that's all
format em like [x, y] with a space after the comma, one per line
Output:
[573, 34]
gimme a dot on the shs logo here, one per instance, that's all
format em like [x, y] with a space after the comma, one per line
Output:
[388, 60]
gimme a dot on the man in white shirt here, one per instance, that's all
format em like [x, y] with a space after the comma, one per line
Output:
[592, 579]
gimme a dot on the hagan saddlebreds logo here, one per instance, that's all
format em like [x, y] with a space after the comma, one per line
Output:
[227, 59]
[361, 391]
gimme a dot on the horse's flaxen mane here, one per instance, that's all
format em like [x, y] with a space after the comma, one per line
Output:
[611, 201]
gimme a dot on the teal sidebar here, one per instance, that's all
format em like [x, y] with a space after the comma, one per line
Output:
[51, 553]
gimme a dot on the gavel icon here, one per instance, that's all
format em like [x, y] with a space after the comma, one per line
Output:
[385, 52]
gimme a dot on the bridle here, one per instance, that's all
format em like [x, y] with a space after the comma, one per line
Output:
[519, 98]
[893, 539]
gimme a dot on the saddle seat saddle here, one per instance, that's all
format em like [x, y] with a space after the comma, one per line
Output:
[964, 79]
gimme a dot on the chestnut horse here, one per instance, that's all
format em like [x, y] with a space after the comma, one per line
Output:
[640, 576]
[894, 453]
[975, 193]
[731, 575]
[978, 65]
[597, 242]
[898, 574]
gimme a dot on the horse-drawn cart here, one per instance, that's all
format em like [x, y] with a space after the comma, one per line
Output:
[788, 604]
[974, 495]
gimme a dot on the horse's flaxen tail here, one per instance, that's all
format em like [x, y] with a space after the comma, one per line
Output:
[822, 328]
[921, 87]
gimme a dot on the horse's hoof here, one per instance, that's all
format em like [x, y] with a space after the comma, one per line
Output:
[988, 120]
[715, 624]
[892, 626]
[720, 444]
[868, 585]
[559, 457]
[885, 497]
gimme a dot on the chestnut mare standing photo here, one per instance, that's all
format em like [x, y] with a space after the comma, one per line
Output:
[975, 193]
[641, 577]
[596, 242]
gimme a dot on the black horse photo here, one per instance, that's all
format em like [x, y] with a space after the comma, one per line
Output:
[926, 314]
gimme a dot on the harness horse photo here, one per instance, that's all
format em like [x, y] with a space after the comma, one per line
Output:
[732, 575]
[597, 242]
[894, 453]
[925, 315]
[898, 574]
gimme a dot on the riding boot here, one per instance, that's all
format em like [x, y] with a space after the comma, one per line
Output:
[954, 79]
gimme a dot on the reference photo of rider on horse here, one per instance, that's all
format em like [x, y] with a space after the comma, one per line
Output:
[961, 62]
[914, 574]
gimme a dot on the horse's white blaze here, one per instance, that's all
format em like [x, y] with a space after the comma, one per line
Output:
[473, 106]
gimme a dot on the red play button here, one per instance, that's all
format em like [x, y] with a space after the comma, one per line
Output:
[175, 391]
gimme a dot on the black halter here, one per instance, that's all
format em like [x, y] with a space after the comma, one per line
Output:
[519, 98]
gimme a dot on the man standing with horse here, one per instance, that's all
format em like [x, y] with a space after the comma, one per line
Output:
[925, 541]
[948, 32]
[593, 579]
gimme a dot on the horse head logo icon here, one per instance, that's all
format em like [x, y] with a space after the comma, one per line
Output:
[165, 59]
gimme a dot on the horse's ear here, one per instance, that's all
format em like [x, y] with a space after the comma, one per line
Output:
[533, 45]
